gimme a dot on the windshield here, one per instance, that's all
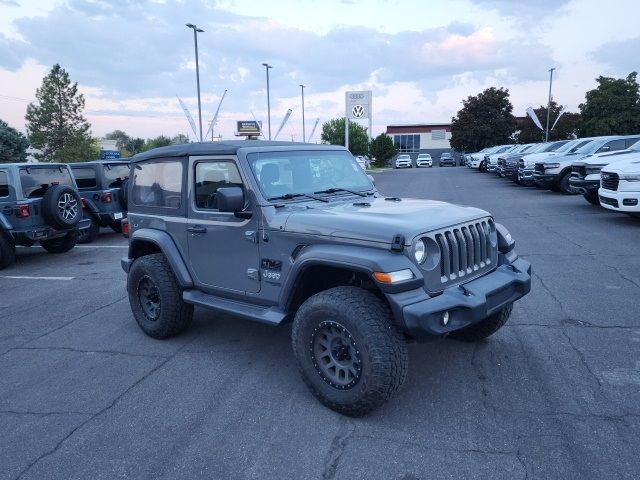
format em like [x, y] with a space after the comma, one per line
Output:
[114, 174]
[299, 172]
[635, 146]
[36, 180]
[568, 146]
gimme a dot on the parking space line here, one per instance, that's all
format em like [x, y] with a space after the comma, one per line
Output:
[84, 246]
[26, 277]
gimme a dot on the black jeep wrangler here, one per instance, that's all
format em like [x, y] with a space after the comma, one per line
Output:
[281, 232]
[39, 203]
[103, 187]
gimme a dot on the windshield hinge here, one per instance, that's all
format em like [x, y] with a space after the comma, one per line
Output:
[397, 245]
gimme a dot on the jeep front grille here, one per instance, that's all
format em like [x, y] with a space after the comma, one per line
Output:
[609, 181]
[466, 251]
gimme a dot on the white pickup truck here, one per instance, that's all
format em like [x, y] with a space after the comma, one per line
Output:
[620, 186]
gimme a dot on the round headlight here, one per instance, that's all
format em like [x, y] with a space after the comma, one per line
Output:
[420, 251]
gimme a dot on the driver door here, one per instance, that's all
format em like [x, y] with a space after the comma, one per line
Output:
[223, 249]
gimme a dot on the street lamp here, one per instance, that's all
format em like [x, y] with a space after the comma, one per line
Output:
[197, 30]
[267, 67]
[546, 135]
[304, 136]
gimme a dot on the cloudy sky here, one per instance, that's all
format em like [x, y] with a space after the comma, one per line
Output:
[419, 57]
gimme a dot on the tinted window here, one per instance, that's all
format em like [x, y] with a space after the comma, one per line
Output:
[628, 142]
[36, 180]
[157, 184]
[279, 173]
[612, 146]
[85, 177]
[115, 174]
[4, 184]
[210, 176]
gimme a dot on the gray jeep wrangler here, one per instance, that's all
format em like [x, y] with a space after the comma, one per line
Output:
[103, 187]
[38, 203]
[277, 232]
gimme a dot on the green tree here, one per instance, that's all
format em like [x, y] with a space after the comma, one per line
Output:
[180, 139]
[160, 141]
[13, 144]
[122, 140]
[134, 145]
[55, 124]
[333, 133]
[483, 121]
[382, 149]
[612, 108]
[565, 129]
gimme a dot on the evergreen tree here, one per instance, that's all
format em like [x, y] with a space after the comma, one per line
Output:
[55, 123]
[13, 144]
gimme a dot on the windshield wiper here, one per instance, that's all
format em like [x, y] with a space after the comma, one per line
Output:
[335, 190]
[289, 196]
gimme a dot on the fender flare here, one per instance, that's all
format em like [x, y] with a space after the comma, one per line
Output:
[365, 260]
[167, 246]
[4, 223]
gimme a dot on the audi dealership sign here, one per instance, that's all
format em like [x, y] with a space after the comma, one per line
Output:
[358, 105]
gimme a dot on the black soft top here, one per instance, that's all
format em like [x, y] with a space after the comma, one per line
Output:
[227, 147]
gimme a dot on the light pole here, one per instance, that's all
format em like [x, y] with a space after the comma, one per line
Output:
[197, 30]
[546, 135]
[304, 136]
[267, 67]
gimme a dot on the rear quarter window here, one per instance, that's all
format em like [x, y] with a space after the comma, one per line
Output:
[157, 184]
[4, 184]
[85, 177]
[36, 180]
[115, 174]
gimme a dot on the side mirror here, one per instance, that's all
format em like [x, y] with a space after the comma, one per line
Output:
[230, 199]
[373, 180]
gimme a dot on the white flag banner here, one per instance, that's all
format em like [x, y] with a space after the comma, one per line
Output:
[284, 120]
[562, 110]
[313, 130]
[188, 115]
[534, 117]
[215, 117]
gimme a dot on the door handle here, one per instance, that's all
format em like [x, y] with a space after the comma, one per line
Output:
[197, 229]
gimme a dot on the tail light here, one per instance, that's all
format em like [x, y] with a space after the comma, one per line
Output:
[125, 229]
[22, 211]
[106, 197]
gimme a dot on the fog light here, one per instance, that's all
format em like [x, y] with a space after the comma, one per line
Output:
[630, 202]
[445, 318]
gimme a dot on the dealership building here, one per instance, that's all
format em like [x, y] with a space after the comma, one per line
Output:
[431, 138]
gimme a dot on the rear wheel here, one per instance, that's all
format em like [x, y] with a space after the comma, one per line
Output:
[351, 355]
[89, 234]
[116, 226]
[61, 244]
[7, 251]
[156, 298]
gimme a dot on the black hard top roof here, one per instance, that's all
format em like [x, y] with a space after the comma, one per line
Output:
[227, 147]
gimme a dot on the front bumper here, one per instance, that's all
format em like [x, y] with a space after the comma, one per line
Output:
[525, 176]
[466, 304]
[584, 186]
[546, 180]
[511, 172]
[492, 167]
[620, 201]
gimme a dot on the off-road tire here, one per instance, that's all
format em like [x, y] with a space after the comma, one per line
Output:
[124, 194]
[60, 244]
[55, 213]
[482, 167]
[7, 251]
[484, 328]
[381, 348]
[116, 226]
[564, 186]
[89, 234]
[174, 315]
[591, 198]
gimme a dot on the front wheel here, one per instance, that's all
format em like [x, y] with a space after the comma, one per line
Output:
[61, 244]
[351, 355]
[156, 298]
[564, 186]
[592, 197]
[484, 328]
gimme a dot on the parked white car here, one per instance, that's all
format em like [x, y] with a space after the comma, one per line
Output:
[620, 186]
[404, 161]
[363, 161]
[424, 160]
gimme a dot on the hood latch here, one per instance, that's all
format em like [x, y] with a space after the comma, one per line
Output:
[397, 245]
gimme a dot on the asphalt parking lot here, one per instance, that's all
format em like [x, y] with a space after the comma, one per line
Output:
[554, 394]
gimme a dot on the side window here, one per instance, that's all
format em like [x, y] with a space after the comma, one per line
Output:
[4, 184]
[85, 177]
[209, 177]
[631, 141]
[157, 184]
[613, 145]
